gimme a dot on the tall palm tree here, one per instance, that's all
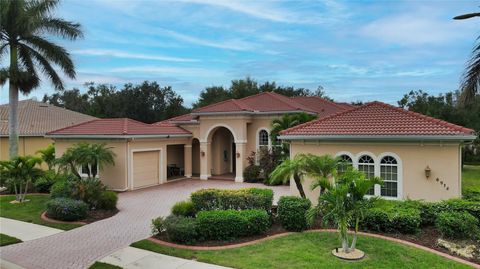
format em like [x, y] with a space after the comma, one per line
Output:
[288, 121]
[295, 168]
[471, 77]
[23, 27]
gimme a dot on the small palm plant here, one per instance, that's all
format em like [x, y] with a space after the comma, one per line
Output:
[87, 155]
[344, 203]
[48, 156]
[321, 169]
[296, 168]
[20, 171]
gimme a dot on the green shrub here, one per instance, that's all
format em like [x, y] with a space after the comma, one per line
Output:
[88, 190]
[107, 200]
[65, 188]
[66, 209]
[393, 217]
[428, 213]
[231, 224]
[215, 199]
[46, 181]
[158, 225]
[292, 212]
[472, 194]
[184, 208]
[252, 173]
[181, 229]
[458, 225]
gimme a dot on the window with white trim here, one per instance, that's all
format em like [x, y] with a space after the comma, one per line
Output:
[262, 139]
[83, 170]
[366, 164]
[345, 163]
[389, 174]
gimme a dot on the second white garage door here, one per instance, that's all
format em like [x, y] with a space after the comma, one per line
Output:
[145, 168]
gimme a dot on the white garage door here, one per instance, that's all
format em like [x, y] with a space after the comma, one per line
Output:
[145, 168]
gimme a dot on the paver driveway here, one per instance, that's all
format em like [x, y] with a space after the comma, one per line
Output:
[80, 247]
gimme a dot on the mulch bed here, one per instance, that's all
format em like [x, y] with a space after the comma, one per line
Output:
[97, 215]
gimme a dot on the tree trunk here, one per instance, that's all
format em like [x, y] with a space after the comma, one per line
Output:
[13, 105]
[298, 183]
[354, 240]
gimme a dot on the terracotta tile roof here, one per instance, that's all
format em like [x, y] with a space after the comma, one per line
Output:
[38, 118]
[345, 105]
[377, 119]
[119, 127]
[262, 102]
[321, 106]
[182, 119]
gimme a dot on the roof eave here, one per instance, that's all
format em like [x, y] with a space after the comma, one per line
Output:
[251, 112]
[86, 136]
[380, 137]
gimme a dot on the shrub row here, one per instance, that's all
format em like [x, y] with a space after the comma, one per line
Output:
[391, 216]
[292, 213]
[458, 225]
[213, 225]
[215, 199]
[430, 211]
[66, 209]
[184, 209]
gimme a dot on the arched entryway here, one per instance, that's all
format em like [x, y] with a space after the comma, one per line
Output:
[195, 157]
[222, 156]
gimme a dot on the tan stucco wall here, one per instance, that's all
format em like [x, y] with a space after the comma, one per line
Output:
[254, 128]
[26, 146]
[443, 160]
[118, 177]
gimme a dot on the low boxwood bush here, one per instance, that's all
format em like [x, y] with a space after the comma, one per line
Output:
[46, 181]
[231, 224]
[252, 173]
[184, 208]
[393, 217]
[458, 225]
[66, 209]
[292, 211]
[107, 200]
[430, 211]
[215, 199]
[180, 229]
[158, 225]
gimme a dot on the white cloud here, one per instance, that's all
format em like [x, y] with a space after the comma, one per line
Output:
[167, 70]
[129, 55]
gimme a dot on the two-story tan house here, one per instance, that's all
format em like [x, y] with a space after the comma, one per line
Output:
[215, 141]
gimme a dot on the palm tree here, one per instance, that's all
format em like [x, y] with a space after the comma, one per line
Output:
[87, 156]
[322, 169]
[344, 202]
[295, 168]
[48, 155]
[471, 77]
[288, 121]
[23, 26]
[20, 171]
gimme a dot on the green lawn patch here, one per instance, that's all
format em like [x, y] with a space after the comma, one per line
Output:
[310, 250]
[471, 176]
[30, 211]
[102, 265]
[6, 240]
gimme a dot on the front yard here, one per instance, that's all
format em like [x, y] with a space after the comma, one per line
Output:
[30, 211]
[471, 176]
[6, 240]
[309, 250]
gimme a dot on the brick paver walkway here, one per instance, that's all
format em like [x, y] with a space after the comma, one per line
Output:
[80, 247]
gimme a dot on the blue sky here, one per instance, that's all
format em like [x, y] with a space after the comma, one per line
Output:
[356, 50]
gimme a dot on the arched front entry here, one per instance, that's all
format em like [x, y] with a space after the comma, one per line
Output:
[222, 153]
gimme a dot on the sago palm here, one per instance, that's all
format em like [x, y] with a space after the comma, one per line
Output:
[24, 25]
[471, 77]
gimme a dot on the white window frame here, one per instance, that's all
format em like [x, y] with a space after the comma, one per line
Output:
[269, 144]
[80, 172]
[377, 159]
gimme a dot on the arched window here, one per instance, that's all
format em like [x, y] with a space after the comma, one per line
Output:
[262, 139]
[366, 164]
[389, 174]
[345, 163]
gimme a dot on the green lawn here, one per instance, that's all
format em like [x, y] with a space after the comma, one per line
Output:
[471, 176]
[311, 250]
[6, 240]
[102, 265]
[29, 211]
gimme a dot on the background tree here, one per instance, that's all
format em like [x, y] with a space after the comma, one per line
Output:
[20, 171]
[48, 156]
[471, 76]
[23, 29]
[288, 121]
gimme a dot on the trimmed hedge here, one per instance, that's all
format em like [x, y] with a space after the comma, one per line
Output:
[430, 211]
[292, 213]
[66, 209]
[459, 225]
[252, 173]
[180, 229]
[107, 200]
[392, 217]
[231, 224]
[215, 199]
[472, 194]
[184, 209]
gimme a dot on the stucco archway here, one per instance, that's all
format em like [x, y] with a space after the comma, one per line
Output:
[222, 152]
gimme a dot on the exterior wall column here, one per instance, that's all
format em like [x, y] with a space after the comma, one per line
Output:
[204, 160]
[240, 160]
[187, 161]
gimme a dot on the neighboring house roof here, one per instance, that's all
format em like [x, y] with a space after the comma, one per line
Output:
[377, 120]
[321, 106]
[37, 118]
[119, 127]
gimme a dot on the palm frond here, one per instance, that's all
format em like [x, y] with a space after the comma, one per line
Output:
[61, 27]
[466, 16]
[40, 8]
[47, 68]
[471, 77]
